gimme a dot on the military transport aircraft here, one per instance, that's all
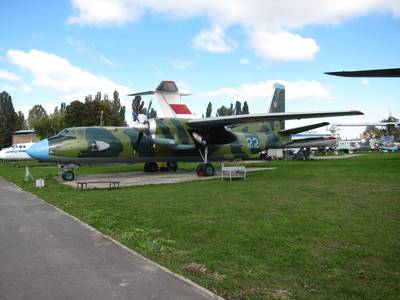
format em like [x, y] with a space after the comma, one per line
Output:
[178, 136]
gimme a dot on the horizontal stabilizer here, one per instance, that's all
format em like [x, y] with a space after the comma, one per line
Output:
[302, 128]
[210, 123]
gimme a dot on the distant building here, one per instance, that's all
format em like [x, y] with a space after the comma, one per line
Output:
[24, 136]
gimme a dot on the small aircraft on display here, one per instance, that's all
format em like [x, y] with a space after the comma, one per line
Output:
[16, 152]
[178, 136]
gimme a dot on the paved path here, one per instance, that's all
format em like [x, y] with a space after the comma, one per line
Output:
[144, 178]
[46, 254]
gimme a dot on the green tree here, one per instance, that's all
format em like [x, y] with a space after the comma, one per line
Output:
[118, 111]
[74, 114]
[137, 107]
[392, 129]
[238, 108]
[372, 132]
[36, 113]
[222, 111]
[209, 110]
[21, 123]
[57, 120]
[8, 120]
[245, 109]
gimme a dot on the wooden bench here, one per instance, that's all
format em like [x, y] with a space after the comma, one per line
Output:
[112, 184]
[234, 171]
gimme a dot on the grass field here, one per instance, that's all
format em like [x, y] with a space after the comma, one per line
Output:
[306, 230]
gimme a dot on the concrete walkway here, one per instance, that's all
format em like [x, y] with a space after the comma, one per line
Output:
[143, 178]
[46, 254]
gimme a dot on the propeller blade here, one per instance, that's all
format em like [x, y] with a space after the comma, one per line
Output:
[134, 116]
[139, 139]
[148, 109]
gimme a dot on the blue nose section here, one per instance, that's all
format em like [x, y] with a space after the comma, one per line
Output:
[40, 150]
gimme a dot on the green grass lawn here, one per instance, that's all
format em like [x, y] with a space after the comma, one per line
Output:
[316, 229]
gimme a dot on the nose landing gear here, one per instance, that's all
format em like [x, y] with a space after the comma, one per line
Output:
[68, 175]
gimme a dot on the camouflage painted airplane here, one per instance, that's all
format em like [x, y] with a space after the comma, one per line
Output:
[177, 136]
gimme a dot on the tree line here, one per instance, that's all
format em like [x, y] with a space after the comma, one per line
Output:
[236, 109]
[95, 110]
[10, 121]
[375, 132]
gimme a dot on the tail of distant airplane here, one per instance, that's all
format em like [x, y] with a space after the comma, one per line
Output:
[278, 105]
[169, 99]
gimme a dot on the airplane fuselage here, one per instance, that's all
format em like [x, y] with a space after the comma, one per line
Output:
[16, 152]
[169, 139]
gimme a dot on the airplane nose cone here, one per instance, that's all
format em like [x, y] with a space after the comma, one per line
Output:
[40, 150]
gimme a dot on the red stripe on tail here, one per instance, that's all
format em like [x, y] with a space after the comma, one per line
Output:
[180, 109]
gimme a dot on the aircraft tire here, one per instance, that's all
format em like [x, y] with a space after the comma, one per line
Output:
[151, 167]
[172, 165]
[205, 170]
[209, 169]
[68, 175]
[200, 170]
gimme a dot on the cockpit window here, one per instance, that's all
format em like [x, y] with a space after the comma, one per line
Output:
[68, 133]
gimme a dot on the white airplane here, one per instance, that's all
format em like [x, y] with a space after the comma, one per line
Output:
[16, 152]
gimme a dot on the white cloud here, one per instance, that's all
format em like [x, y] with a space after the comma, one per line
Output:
[106, 60]
[268, 16]
[54, 72]
[9, 76]
[364, 81]
[79, 45]
[104, 12]
[214, 40]
[8, 88]
[181, 64]
[51, 71]
[244, 61]
[283, 46]
[261, 14]
[12, 77]
[295, 90]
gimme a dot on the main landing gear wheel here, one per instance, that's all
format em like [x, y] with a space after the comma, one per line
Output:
[68, 175]
[172, 165]
[205, 170]
[151, 167]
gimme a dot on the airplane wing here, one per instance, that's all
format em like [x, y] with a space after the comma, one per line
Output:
[369, 124]
[143, 93]
[395, 72]
[302, 128]
[210, 123]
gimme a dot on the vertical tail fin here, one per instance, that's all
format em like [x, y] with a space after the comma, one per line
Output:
[278, 105]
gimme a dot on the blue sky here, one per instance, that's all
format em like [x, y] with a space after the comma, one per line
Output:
[53, 51]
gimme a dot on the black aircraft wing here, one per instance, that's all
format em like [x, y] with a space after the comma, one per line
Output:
[218, 122]
[395, 72]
